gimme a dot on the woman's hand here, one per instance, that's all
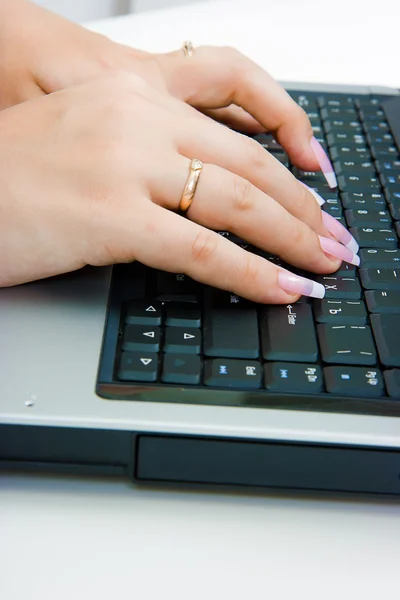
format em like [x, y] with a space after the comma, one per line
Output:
[41, 53]
[91, 175]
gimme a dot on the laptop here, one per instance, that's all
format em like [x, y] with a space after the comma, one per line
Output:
[132, 372]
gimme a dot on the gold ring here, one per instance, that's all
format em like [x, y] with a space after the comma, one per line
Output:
[188, 48]
[191, 184]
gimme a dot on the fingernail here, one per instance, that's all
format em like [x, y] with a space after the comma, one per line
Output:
[318, 198]
[338, 251]
[340, 232]
[300, 285]
[324, 162]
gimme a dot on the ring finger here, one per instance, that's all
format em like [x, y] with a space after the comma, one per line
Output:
[226, 201]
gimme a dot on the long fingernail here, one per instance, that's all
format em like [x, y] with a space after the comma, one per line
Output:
[324, 162]
[340, 232]
[339, 251]
[299, 285]
[318, 198]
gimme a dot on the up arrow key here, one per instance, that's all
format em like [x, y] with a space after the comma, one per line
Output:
[150, 309]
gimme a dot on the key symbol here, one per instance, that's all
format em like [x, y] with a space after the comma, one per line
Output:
[149, 334]
[146, 361]
[284, 373]
[150, 309]
[335, 311]
[345, 376]
[250, 370]
[223, 370]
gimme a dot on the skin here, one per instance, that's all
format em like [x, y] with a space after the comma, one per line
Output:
[96, 145]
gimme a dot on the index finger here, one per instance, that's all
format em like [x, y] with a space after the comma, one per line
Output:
[217, 77]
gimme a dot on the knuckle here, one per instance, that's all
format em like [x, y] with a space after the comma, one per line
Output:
[204, 247]
[242, 200]
[250, 271]
[255, 154]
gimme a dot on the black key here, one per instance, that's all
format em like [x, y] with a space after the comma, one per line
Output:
[388, 166]
[308, 177]
[347, 344]
[349, 167]
[138, 366]
[354, 381]
[306, 101]
[366, 112]
[390, 179]
[299, 378]
[343, 138]
[143, 312]
[182, 340]
[380, 279]
[288, 333]
[343, 125]
[340, 312]
[344, 113]
[392, 380]
[334, 210]
[139, 338]
[380, 257]
[356, 152]
[386, 330]
[176, 284]
[268, 142]
[354, 182]
[376, 138]
[384, 152]
[347, 288]
[376, 126]
[393, 198]
[374, 237]
[363, 217]
[394, 207]
[359, 199]
[181, 368]
[231, 333]
[183, 314]
[383, 301]
[392, 112]
[335, 101]
[231, 373]
[345, 270]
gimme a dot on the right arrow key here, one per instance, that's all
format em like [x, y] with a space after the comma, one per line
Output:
[186, 340]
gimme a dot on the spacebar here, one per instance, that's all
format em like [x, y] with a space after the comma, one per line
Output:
[392, 112]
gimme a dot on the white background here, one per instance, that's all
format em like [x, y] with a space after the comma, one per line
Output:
[84, 10]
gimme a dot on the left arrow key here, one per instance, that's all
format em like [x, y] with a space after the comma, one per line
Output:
[139, 338]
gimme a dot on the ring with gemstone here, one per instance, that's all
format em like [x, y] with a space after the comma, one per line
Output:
[188, 48]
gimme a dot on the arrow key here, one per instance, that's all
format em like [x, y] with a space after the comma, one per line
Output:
[181, 368]
[184, 340]
[143, 312]
[138, 366]
[139, 338]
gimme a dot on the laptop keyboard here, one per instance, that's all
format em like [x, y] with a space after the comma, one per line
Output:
[166, 332]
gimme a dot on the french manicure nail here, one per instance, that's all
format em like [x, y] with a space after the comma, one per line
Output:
[339, 251]
[324, 162]
[318, 198]
[340, 232]
[300, 285]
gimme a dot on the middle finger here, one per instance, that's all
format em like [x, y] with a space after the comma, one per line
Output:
[214, 143]
[226, 201]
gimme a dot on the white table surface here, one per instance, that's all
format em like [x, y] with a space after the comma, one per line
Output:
[95, 538]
